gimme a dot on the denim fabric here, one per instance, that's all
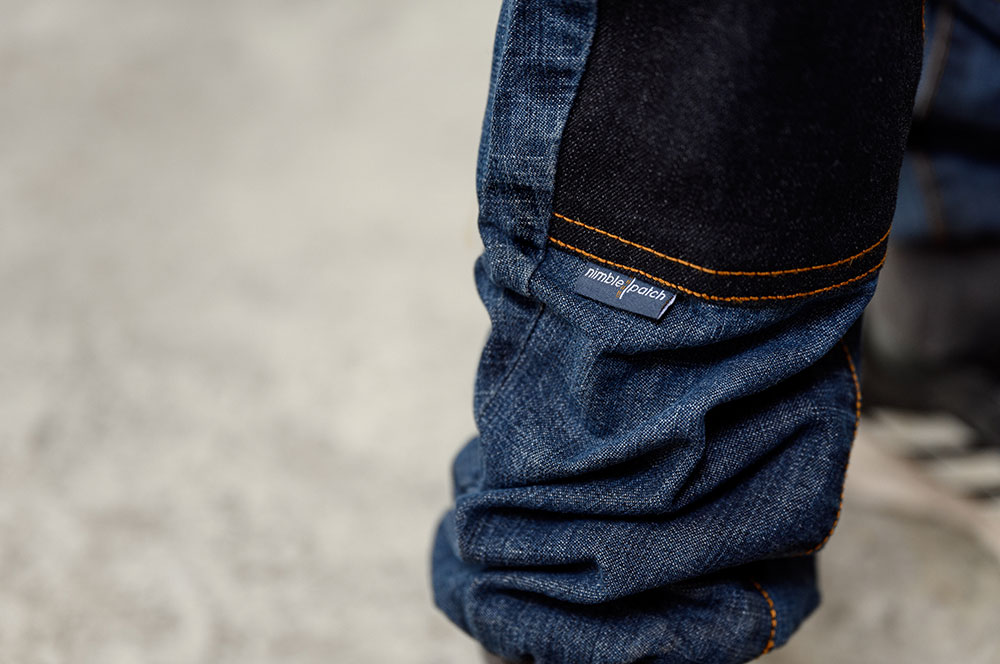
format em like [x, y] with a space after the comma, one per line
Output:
[630, 476]
[948, 186]
[639, 490]
[736, 149]
[540, 51]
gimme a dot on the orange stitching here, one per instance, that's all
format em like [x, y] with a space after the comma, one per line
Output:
[624, 286]
[719, 298]
[774, 618]
[735, 273]
[857, 418]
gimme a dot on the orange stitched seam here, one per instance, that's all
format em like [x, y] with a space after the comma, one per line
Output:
[857, 418]
[709, 270]
[718, 298]
[774, 618]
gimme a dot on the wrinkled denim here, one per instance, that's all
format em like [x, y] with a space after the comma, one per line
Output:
[633, 481]
[639, 490]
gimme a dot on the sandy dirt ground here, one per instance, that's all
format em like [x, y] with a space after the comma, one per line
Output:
[239, 336]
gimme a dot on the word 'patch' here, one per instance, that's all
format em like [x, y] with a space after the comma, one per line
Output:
[624, 292]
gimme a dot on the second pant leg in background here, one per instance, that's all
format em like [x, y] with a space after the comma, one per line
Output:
[931, 331]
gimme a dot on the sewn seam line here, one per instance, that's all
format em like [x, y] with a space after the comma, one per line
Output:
[857, 418]
[733, 273]
[774, 618]
[718, 298]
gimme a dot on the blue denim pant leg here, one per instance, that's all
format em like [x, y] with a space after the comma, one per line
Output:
[646, 491]
[639, 490]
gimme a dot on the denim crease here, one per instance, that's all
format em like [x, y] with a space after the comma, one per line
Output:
[589, 527]
[638, 490]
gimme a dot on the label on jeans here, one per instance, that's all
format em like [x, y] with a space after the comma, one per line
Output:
[623, 292]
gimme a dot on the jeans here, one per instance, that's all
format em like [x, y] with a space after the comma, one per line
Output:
[647, 489]
[948, 189]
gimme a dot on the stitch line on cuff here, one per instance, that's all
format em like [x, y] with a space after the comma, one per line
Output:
[733, 273]
[774, 618]
[717, 298]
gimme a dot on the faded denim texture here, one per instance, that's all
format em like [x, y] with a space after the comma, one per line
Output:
[639, 490]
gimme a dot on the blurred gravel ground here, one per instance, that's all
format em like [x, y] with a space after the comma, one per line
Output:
[238, 342]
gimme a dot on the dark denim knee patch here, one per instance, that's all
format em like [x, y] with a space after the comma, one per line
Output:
[739, 151]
